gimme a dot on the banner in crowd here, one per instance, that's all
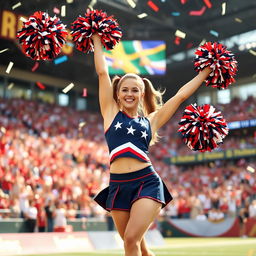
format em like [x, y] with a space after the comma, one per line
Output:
[211, 156]
[140, 57]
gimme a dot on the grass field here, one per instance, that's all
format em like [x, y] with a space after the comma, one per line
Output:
[191, 247]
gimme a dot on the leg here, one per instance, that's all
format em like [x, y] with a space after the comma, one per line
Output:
[142, 214]
[121, 219]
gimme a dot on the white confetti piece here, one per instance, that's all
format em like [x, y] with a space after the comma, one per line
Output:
[142, 15]
[131, 3]
[63, 11]
[10, 86]
[9, 67]
[4, 50]
[224, 5]
[69, 1]
[238, 20]
[252, 52]
[180, 34]
[68, 88]
[3, 130]
[23, 19]
[16, 5]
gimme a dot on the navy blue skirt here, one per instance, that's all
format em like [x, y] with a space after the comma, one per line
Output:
[125, 188]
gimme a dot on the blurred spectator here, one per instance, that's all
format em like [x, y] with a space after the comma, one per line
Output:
[252, 209]
[31, 216]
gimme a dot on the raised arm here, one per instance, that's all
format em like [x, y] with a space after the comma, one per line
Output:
[107, 102]
[160, 117]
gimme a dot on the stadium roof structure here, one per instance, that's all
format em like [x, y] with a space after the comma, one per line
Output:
[198, 20]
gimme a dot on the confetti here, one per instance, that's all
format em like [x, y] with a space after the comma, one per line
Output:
[92, 3]
[4, 50]
[63, 11]
[16, 5]
[56, 10]
[23, 19]
[224, 5]
[177, 40]
[180, 34]
[35, 67]
[40, 85]
[153, 6]
[85, 92]
[214, 33]
[252, 52]
[183, 1]
[250, 169]
[10, 86]
[60, 60]
[131, 3]
[203, 42]
[142, 15]
[82, 124]
[3, 130]
[208, 3]
[9, 67]
[198, 13]
[175, 14]
[69, 1]
[189, 45]
[68, 88]
[238, 20]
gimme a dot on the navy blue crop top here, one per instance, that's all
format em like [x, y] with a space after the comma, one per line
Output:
[129, 137]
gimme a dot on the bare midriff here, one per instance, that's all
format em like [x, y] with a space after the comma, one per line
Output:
[127, 164]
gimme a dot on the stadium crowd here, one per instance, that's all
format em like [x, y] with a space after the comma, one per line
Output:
[53, 160]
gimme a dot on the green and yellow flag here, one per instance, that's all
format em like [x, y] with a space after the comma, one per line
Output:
[140, 57]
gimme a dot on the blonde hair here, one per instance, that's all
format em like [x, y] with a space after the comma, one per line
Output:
[152, 97]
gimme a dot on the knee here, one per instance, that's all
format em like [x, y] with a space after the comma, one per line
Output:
[130, 241]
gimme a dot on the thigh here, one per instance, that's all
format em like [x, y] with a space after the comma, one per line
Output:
[142, 214]
[120, 219]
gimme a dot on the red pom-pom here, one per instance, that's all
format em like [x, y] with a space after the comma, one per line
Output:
[42, 36]
[95, 21]
[221, 61]
[202, 128]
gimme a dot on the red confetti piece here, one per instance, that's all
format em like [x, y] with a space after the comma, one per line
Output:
[189, 45]
[198, 13]
[85, 92]
[35, 67]
[56, 10]
[177, 40]
[183, 1]
[40, 85]
[208, 3]
[153, 6]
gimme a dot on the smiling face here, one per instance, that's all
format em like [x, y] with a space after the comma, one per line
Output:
[130, 93]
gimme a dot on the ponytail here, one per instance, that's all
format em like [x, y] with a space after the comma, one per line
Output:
[152, 98]
[115, 83]
[152, 102]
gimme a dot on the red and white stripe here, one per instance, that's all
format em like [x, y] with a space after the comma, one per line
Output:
[128, 147]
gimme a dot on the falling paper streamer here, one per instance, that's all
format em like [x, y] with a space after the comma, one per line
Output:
[10, 65]
[16, 5]
[56, 10]
[198, 13]
[208, 3]
[40, 85]
[180, 34]
[131, 3]
[223, 12]
[81, 125]
[238, 20]
[85, 92]
[4, 50]
[177, 40]
[60, 60]
[252, 52]
[176, 14]
[10, 86]
[35, 67]
[63, 11]
[142, 15]
[214, 33]
[23, 19]
[153, 6]
[68, 88]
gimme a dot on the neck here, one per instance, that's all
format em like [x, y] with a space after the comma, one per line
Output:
[131, 113]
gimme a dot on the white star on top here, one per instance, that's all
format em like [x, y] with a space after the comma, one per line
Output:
[144, 134]
[118, 125]
[131, 130]
[143, 124]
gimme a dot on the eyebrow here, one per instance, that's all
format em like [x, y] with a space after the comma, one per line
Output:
[126, 87]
